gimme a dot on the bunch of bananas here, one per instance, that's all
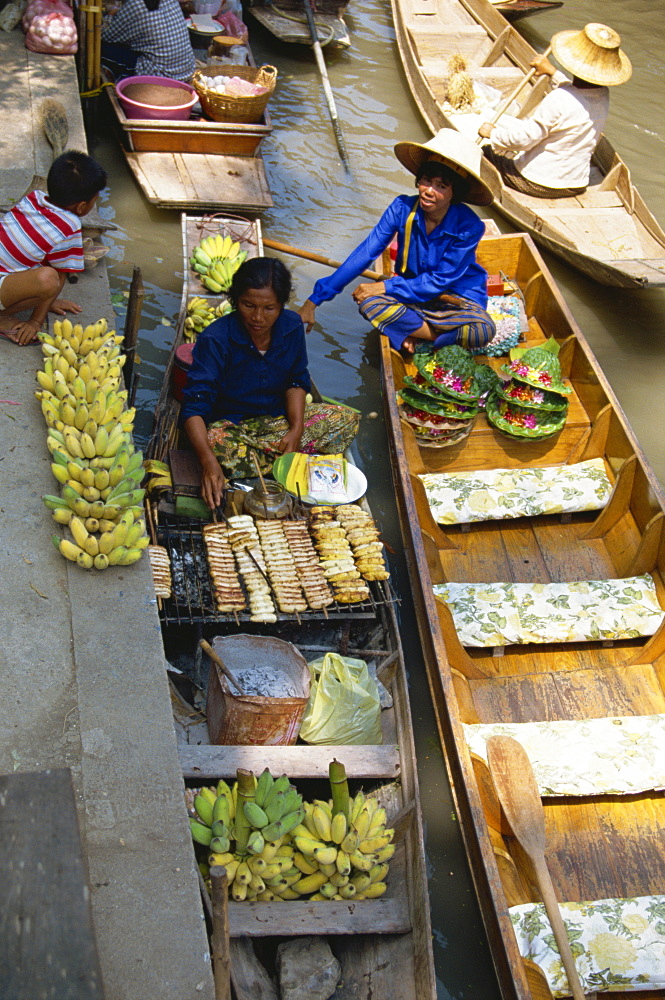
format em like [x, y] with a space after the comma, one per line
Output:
[322, 850]
[200, 314]
[90, 440]
[216, 259]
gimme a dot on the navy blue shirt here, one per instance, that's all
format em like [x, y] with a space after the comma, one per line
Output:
[441, 261]
[231, 380]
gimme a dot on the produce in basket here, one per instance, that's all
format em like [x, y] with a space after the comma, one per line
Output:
[232, 86]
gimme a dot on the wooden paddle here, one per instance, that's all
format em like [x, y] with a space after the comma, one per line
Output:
[518, 792]
[311, 255]
[511, 97]
[327, 89]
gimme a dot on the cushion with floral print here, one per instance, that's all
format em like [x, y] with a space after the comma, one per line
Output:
[488, 494]
[618, 944]
[498, 614]
[623, 755]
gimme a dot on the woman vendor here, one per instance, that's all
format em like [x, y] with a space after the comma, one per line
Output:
[439, 293]
[147, 38]
[247, 387]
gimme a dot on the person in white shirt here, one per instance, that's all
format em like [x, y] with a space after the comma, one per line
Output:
[553, 147]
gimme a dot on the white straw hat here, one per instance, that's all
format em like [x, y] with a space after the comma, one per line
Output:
[593, 54]
[457, 152]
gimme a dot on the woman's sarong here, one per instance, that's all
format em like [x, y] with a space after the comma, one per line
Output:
[329, 430]
[455, 320]
[518, 182]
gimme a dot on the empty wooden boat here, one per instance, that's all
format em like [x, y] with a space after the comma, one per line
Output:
[608, 232]
[541, 617]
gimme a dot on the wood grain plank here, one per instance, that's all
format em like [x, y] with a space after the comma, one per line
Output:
[375, 916]
[614, 691]
[517, 699]
[47, 941]
[209, 762]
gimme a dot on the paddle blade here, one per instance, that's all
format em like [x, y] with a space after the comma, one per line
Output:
[518, 792]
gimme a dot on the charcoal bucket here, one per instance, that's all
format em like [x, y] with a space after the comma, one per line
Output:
[253, 720]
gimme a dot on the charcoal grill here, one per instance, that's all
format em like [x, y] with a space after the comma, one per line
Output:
[192, 600]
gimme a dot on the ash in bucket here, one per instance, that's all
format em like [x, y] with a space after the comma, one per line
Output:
[266, 682]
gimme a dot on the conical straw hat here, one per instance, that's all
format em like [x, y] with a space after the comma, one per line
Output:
[593, 54]
[457, 152]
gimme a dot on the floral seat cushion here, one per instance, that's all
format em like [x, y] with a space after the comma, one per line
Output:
[488, 494]
[498, 614]
[615, 756]
[618, 944]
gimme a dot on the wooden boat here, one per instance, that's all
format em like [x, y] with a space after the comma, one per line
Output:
[608, 232]
[197, 164]
[587, 833]
[514, 10]
[287, 22]
[372, 939]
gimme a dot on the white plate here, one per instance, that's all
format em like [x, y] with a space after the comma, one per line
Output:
[204, 24]
[356, 487]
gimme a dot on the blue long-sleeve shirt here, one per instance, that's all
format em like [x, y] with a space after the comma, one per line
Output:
[231, 380]
[443, 261]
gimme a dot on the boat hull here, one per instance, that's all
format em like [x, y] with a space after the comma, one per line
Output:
[490, 685]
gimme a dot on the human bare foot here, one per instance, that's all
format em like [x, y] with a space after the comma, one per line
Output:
[20, 332]
[409, 345]
[62, 306]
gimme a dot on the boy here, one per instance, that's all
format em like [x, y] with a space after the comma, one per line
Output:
[40, 241]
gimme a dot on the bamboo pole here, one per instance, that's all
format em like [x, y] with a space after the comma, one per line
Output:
[327, 89]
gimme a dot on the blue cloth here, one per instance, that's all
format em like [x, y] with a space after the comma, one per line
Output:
[231, 380]
[160, 37]
[443, 261]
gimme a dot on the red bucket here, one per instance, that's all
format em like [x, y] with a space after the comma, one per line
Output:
[182, 362]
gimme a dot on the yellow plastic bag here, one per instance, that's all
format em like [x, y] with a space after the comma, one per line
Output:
[343, 704]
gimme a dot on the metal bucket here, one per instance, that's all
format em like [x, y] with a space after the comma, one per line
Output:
[251, 720]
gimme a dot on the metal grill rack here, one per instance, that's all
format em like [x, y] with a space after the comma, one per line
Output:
[192, 600]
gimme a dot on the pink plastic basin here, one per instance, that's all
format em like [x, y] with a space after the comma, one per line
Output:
[134, 109]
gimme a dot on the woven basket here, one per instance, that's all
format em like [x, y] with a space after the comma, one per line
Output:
[224, 108]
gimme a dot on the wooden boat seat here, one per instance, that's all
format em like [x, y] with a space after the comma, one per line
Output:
[619, 943]
[490, 494]
[585, 757]
[501, 614]
[433, 44]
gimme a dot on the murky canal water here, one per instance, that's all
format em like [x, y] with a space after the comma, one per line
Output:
[319, 206]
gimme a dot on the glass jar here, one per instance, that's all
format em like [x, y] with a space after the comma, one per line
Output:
[271, 502]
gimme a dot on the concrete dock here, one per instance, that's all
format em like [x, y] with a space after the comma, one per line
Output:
[81, 659]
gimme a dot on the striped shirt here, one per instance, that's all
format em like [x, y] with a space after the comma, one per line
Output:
[36, 232]
[161, 38]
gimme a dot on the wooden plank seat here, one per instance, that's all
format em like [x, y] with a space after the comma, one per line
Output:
[619, 943]
[491, 494]
[620, 755]
[501, 614]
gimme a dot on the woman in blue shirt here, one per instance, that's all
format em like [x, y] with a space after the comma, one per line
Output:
[249, 383]
[439, 293]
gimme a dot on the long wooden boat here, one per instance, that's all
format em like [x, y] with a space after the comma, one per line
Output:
[514, 10]
[601, 844]
[372, 939]
[198, 164]
[608, 232]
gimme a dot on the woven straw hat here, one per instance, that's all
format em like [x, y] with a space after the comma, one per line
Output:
[454, 149]
[593, 54]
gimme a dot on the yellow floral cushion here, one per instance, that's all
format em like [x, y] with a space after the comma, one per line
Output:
[498, 614]
[487, 494]
[618, 944]
[620, 756]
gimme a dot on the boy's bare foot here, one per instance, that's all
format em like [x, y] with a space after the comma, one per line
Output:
[20, 332]
[409, 345]
[62, 306]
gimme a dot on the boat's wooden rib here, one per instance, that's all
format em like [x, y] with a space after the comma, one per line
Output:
[586, 835]
[384, 945]
[608, 232]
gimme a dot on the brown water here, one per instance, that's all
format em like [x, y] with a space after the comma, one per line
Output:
[318, 205]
